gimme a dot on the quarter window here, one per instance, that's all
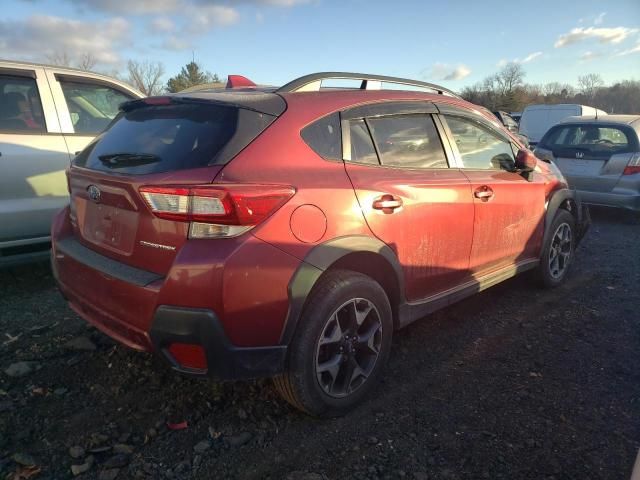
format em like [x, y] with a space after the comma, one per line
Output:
[324, 137]
[409, 141]
[20, 105]
[91, 106]
[479, 147]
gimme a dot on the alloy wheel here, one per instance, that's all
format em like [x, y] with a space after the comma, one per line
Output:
[348, 347]
[560, 251]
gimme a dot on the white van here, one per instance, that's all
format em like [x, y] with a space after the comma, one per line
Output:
[537, 119]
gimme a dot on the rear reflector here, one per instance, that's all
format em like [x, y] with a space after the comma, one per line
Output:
[215, 211]
[188, 355]
[633, 166]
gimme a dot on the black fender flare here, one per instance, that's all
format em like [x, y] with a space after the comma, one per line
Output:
[580, 212]
[318, 260]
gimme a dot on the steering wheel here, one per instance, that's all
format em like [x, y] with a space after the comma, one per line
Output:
[604, 140]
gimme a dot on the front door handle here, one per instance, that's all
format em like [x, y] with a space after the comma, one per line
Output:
[484, 193]
[387, 203]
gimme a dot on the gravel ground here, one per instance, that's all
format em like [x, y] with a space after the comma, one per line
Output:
[513, 383]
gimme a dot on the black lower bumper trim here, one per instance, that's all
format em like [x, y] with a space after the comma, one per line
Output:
[225, 361]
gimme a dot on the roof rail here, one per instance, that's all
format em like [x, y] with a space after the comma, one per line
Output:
[313, 82]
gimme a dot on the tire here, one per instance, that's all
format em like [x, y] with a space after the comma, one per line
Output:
[342, 304]
[558, 250]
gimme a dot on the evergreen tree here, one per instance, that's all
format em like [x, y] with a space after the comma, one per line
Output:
[190, 76]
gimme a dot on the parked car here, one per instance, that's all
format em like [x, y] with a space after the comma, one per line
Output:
[287, 232]
[600, 157]
[46, 115]
[506, 120]
[537, 119]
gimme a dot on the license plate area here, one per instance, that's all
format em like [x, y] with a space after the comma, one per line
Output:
[110, 227]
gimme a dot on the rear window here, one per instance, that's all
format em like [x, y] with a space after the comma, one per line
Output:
[592, 139]
[154, 139]
[324, 137]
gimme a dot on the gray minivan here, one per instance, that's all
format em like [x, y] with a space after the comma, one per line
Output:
[47, 114]
[599, 156]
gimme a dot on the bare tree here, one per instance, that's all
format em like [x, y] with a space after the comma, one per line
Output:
[511, 76]
[146, 76]
[86, 62]
[590, 84]
[60, 59]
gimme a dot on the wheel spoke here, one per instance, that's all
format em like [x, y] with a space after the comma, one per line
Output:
[352, 372]
[335, 335]
[361, 315]
[368, 339]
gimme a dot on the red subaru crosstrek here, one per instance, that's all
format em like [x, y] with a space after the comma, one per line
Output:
[287, 232]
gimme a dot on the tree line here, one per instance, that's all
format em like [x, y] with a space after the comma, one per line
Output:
[145, 76]
[504, 90]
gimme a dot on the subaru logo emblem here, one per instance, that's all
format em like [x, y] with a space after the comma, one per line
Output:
[579, 154]
[94, 193]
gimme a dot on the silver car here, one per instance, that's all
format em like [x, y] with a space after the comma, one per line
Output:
[599, 156]
[46, 115]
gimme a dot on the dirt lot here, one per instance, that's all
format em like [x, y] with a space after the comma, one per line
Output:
[513, 383]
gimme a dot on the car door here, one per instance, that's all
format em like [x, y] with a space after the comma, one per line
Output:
[509, 209]
[33, 158]
[86, 105]
[410, 197]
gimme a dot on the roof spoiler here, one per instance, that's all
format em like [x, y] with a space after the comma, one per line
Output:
[238, 81]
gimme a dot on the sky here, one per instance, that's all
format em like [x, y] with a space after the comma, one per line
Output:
[456, 43]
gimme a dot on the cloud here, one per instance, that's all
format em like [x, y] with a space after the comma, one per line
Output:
[603, 35]
[529, 58]
[599, 19]
[203, 18]
[162, 25]
[589, 55]
[445, 71]
[629, 51]
[40, 36]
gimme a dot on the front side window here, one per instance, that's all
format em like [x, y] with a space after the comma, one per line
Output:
[409, 141]
[91, 106]
[20, 105]
[479, 147]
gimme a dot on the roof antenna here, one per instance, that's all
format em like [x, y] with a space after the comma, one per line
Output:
[596, 113]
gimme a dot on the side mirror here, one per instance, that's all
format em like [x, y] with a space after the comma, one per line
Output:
[526, 161]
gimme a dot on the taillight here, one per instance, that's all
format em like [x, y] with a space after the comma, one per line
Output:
[633, 166]
[188, 355]
[216, 211]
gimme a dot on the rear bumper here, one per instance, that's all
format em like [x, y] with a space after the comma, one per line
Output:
[629, 202]
[225, 361]
[230, 300]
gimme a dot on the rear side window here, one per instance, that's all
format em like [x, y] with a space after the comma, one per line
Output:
[479, 147]
[152, 139]
[409, 141]
[324, 137]
[592, 139]
[20, 105]
[91, 106]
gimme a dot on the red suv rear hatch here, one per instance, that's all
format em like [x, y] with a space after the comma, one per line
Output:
[172, 142]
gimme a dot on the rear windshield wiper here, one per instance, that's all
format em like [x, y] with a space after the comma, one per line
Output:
[115, 160]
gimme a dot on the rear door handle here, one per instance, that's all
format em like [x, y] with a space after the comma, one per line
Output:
[484, 193]
[387, 203]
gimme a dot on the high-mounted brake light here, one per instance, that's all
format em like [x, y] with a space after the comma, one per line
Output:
[157, 100]
[216, 211]
[633, 166]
